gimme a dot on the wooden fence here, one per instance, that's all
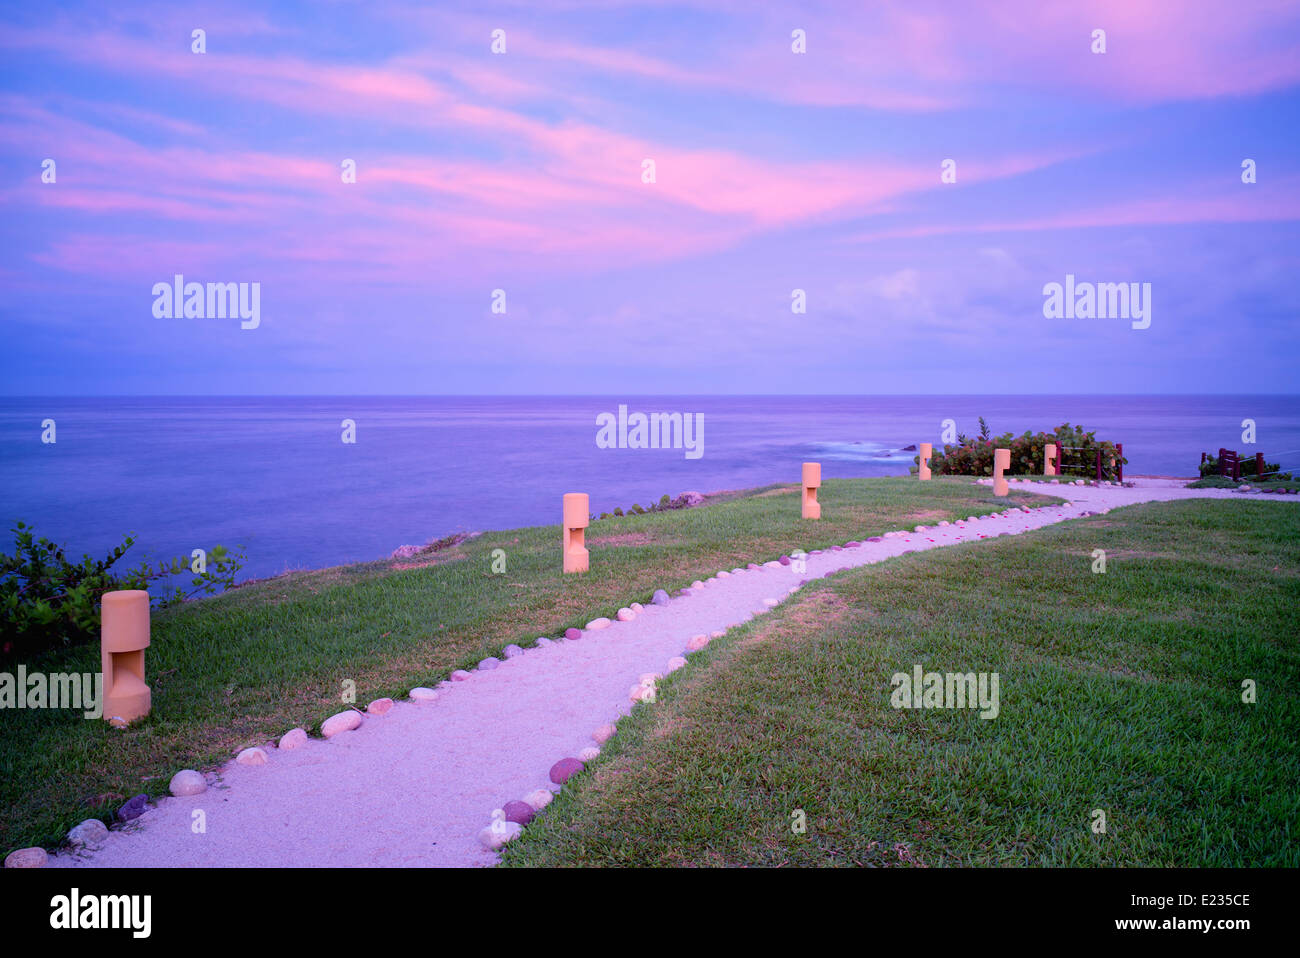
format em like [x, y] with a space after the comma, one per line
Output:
[1113, 466]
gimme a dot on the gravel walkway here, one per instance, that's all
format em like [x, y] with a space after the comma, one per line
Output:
[415, 786]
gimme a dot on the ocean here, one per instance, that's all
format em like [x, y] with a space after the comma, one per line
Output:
[273, 474]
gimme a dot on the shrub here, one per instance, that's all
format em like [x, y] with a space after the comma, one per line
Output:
[1271, 469]
[974, 457]
[48, 601]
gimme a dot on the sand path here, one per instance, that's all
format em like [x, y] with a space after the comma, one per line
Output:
[414, 787]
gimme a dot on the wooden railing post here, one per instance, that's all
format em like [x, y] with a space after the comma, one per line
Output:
[1119, 461]
[1259, 466]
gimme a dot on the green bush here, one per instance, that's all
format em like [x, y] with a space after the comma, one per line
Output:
[1211, 468]
[974, 457]
[49, 601]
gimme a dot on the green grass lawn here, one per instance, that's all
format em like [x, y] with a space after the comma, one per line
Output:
[1266, 485]
[1119, 691]
[242, 668]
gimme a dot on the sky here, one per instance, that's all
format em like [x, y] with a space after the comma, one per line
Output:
[524, 171]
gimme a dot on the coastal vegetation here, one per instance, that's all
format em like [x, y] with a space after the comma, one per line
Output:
[49, 601]
[973, 456]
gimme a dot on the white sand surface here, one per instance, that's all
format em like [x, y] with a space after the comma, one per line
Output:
[415, 787]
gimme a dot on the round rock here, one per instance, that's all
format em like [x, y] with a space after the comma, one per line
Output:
[340, 722]
[625, 615]
[380, 707]
[294, 738]
[134, 808]
[90, 832]
[186, 782]
[573, 634]
[660, 597]
[488, 664]
[596, 624]
[419, 694]
[521, 813]
[606, 732]
[460, 675]
[565, 769]
[512, 650]
[255, 756]
[539, 798]
[589, 754]
[27, 858]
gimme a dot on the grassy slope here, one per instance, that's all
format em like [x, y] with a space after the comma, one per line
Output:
[1119, 691]
[239, 669]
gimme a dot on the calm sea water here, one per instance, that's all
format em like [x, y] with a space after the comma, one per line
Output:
[273, 475]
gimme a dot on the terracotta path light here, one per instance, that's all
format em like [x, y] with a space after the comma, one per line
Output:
[1001, 463]
[1050, 459]
[576, 516]
[927, 450]
[124, 635]
[812, 480]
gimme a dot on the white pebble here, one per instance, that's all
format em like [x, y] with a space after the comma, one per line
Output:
[588, 754]
[422, 694]
[294, 738]
[189, 782]
[625, 615]
[27, 858]
[340, 722]
[539, 798]
[500, 831]
[251, 756]
[90, 832]
[595, 624]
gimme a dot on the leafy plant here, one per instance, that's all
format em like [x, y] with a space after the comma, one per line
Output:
[974, 457]
[1210, 467]
[47, 600]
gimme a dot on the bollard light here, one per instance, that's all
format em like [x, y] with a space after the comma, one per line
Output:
[576, 516]
[1049, 459]
[927, 450]
[812, 480]
[124, 635]
[1001, 463]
